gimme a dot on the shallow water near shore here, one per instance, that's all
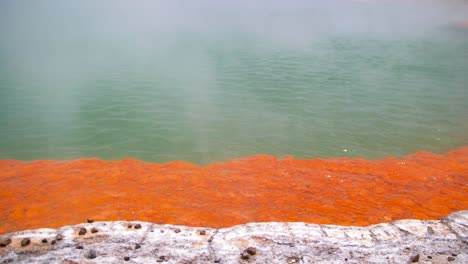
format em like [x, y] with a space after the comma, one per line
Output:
[207, 82]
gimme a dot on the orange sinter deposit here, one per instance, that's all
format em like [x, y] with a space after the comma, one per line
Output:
[254, 189]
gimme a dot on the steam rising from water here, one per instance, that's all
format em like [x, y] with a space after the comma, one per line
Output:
[210, 80]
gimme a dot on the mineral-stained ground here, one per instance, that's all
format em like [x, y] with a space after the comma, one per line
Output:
[403, 241]
[51, 194]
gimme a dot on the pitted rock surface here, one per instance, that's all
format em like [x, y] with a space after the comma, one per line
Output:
[404, 241]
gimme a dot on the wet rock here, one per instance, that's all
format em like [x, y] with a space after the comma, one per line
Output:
[203, 232]
[137, 226]
[91, 254]
[5, 242]
[89, 220]
[25, 242]
[126, 258]
[44, 241]
[94, 230]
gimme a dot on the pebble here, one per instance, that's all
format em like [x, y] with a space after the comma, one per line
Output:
[251, 250]
[414, 258]
[82, 231]
[5, 242]
[291, 260]
[25, 242]
[90, 254]
[245, 256]
[163, 258]
[430, 230]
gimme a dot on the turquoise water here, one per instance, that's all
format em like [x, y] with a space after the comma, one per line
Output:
[211, 81]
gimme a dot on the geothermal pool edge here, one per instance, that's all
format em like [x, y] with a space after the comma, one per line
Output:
[403, 241]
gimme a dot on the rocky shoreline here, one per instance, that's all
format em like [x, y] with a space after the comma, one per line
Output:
[403, 241]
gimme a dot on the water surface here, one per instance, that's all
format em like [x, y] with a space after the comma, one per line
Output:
[215, 80]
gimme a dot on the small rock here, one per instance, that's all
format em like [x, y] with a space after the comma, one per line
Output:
[454, 255]
[89, 220]
[137, 246]
[25, 242]
[450, 258]
[82, 231]
[126, 258]
[430, 230]
[69, 262]
[137, 226]
[90, 254]
[429, 257]
[5, 242]
[291, 260]
[245, 256]
[44, 241]
[59, 237]
[414, 258]
[202, 232]
[251, 250]
[177, 230]
[94, 230]
[163, 258]
[79, 247]
[53, 242]
[129, 226]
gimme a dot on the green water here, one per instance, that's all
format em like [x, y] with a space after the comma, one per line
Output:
[211, 81]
